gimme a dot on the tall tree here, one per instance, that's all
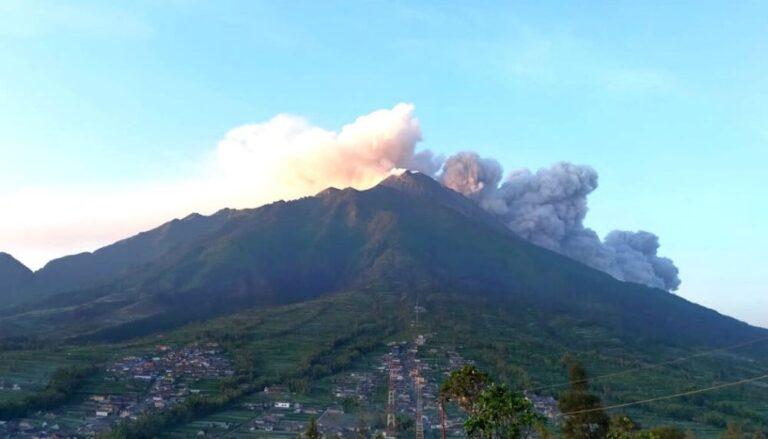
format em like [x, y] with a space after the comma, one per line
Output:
[733, 432]
[362, 430]
[501, 414]
[494, 411]
[312, 431]
[583, 410]
[464, 387]
[622, 427]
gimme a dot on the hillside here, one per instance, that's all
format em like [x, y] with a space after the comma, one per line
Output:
[302, 292]
[313, 347]
[407, 234]
[14, 277]
[87, 269]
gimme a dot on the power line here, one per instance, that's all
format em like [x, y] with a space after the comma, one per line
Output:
[651, 366]
[662, 398]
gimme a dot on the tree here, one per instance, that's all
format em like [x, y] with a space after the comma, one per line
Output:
[60, 388]
[362, 430]
[406, 427]
[350, 405]
[622, 427]
[501, 413]
[583, 411]
[312, 432]
[667, 433]
[494, 410]
[733, 432]
[464, 387]
[543, 431]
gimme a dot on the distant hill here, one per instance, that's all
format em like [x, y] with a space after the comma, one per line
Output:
[14, 277]
[87, 269]
[408, 234]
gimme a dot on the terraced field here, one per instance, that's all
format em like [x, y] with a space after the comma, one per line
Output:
[32, 370]
[307, 348]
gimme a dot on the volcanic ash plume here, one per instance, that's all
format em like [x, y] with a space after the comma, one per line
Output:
[548, 208]
[288, 157]
[634, 255]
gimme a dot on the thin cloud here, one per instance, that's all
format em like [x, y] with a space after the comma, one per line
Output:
[36, 18]
[565, 60]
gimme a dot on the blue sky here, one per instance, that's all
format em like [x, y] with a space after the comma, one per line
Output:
[668, 101]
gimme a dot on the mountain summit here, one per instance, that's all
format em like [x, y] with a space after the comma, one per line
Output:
[416, 184]
[413, 182]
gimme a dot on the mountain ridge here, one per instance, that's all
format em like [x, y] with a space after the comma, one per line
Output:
[14, 276]
[86, 269]
[406, 234]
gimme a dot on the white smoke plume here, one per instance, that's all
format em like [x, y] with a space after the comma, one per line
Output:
[282, 158]
[291, 158]
[548, 208]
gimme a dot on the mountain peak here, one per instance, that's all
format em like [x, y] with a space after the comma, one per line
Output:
[413, 182]
[328, 191]
[418, 184]
[7, 261]
[14, 276]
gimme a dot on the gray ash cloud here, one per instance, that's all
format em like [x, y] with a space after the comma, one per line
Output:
[548, 208]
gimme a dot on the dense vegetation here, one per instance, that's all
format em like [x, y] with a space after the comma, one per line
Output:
[299, 345]
[61, 387]
[584, 414]
[493, 410]
[523, 347]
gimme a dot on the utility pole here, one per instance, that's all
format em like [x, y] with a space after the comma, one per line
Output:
[418, 380]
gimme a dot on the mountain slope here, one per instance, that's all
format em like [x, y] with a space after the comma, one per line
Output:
[280, 282]
[14, 277]
[408, 234]
[87, 269]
